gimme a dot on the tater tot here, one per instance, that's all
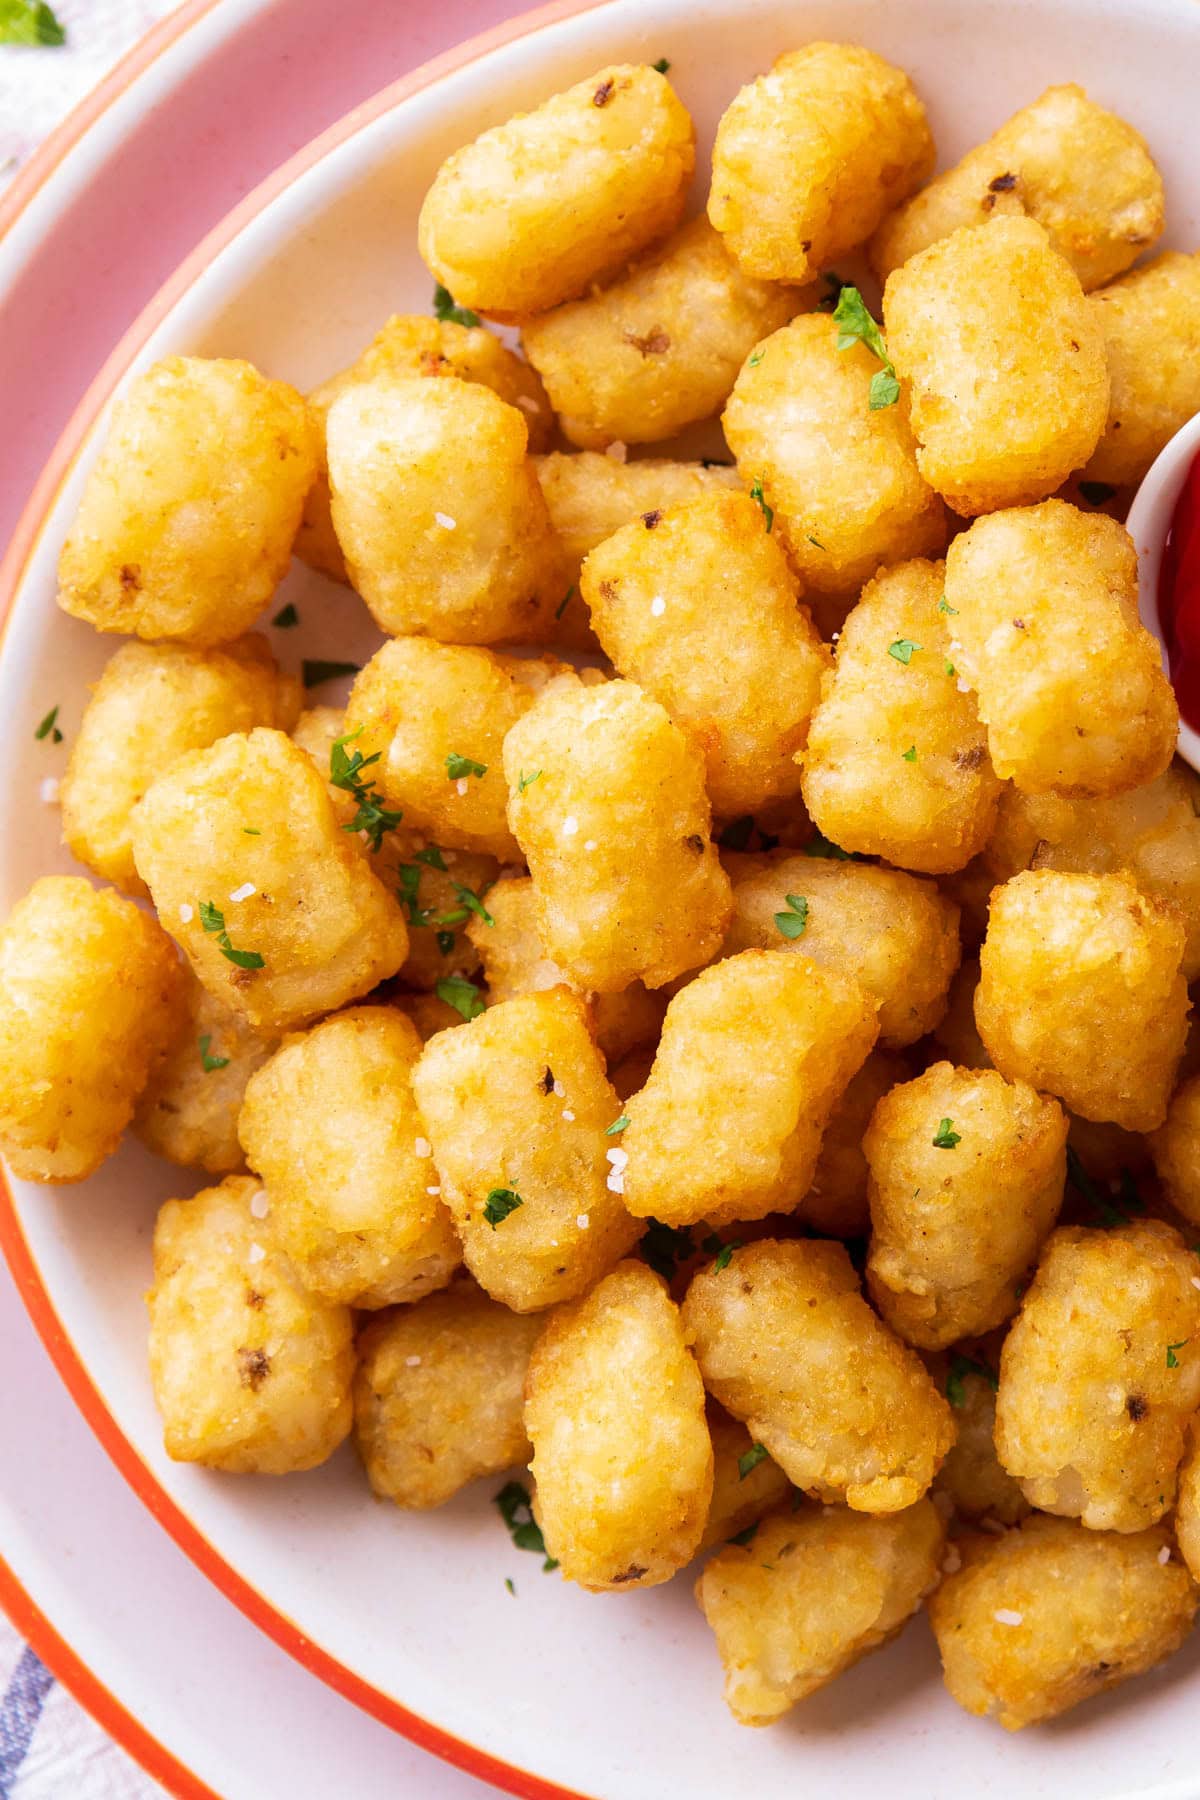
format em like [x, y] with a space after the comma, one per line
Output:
[607, 801]
[516, 1106]
[439, 513]
[439, 1395]
[189, 1109]
[956, 1032]
[842, 480]
[836, 1202]
[514, 963]
[251, 1372]
[1046, 630]
[623, 1467]
[429, 1013]
[153, 703]
[894, 933]
[699, 606]
[1175, 1147]
[538, 208]
[331, 1126]
[811, 156]
[753, 1054]
[1151, 326]
[91, 998]
[966, 1179]
[1082, 173]
[1050, 1614]
[186, 524]
[1004, 363]
[811, 1594]
[786, 1342]
[1101, 1373]
[896, 763]
[745, 1486]
[1082, 996]
[274, 907]
[972, 1477]
[661, 348]
[1187, 1506]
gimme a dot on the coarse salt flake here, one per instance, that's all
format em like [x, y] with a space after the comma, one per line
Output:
[1164, 1555]
[260, 1206]
[618, 1158]
[461, 785]
[1196, 1281]
[186, 914]
[617, 451]
[658, 607]
[582, 1221]
[446, 522]
[589, 844]
[244, 892]
[527, 404]
[559, 1090]
[568, 1116]
[1006, 1616]
[49, 790]
[256, 1253]
[570, 825]
[412, 1362]
[964, 687]
[436, 1189]
[616, 1181]
[422, 1146]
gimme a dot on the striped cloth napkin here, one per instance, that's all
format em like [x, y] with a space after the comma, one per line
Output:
[50, 1749]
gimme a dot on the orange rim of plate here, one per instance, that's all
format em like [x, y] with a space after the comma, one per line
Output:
[33, 1624]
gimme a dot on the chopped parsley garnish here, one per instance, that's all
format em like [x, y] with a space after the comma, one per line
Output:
[756, 493]
[750, 1459]
[445, 942]
[949, 668]
[431, 855]
[910, 755]
[251, 831]
[30, 22]
[1096, 492]
[472, 903]
[1105, 1212]
[827, 850]
[517, 1513]
[944, 606]
[742, 1538]
[406, 893]
[286, 617]
[563, 604]
[617, 1125]
[856, 326]
[461, 994]
[211, 1063]
[662, 65]
[459, 767]
[903, 649]
[508, 1582]
[49, 725]
[345, 772]
[721, 1253]
[1172, 1359]
[815, 542]
[794, 922]
[947, 1137]
[526, 781]
[444, 308]
[833, 291]
[960, 1368]
[499, 1203]
[663, 1246]
[753, 360]
[213, 919]
[313, 671]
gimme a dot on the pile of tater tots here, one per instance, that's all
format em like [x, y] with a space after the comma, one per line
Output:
[708, 1020]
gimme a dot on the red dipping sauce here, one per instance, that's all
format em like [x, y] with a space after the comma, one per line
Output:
[1179, 596]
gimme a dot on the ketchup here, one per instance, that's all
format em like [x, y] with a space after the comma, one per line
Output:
[1179, 596]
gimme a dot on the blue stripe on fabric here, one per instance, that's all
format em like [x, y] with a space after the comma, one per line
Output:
[20, 1711]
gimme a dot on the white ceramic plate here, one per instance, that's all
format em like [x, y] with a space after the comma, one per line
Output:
[618, 1696]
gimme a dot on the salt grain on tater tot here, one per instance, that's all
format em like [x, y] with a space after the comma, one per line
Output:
[152, 703]
[972, 1478]
[810, 157]
[1101, 1373]
[516, 1107]
[251, 873]
[1187, 1506]
[439, 1395]
[836, 1202]
[699, 606]
[966, 1179]
[439, 513]
[187, 520]
[535, 210]
[753, 1054]
[896, 763]
[1004, 363]
[812, 1594]
[607, 801]
[1151, 326]
[331, 1126]
[745, 1485]
[1083, 173]
[894, 933]
[91, 998]
[660, 348]
[189, 1109]
[842, 480]
[251, 1372]
[1175, 1147]
[623, 1467]
[1081, 994]
[1050, 1614]
[786, 1342]
[1068, 680]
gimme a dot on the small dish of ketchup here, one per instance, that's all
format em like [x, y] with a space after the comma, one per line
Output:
[1164, 522]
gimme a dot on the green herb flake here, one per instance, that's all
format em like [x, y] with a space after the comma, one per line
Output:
[617, 1125]
[960, 1368]
[950, 668]
[563, 604]
[910, 755]
[286, 618]
[345, 772]
[794, 922]
[445, 309]
[508, 1582]
[833, 291]
[213, 920]
[459, 767]
[724, 1256]
[742, 1538]
[753, 360]
[31, 23]
[947, 1137]
[1172, 1359]
[664, 1246]
[883, 391]
[1096, 492]
[662, 65]
[461, 994]
[756, 493]
[472, 903]
[251, 831]
[514, 1508]
[815, 542]
[499, 1203]
[446, 941]
[750, 1459]
[825, 848]
[903, 649]
[526, 781]
[856, 326]
[210, 1064]
[944, 606]
[49, 725]
[431, 856]
[314, 671]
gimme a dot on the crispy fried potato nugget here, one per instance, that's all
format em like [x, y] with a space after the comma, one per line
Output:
[331, 1126]
[754, 1052]
[439, 1395]
[429, 1013]
[615, 829]
[842, 480]
[1100, 1375]
[1175, 1147]
[972, 1477]
[1081, 994]
[896, 762]
[738, 1499]
[251, 1372]
[836, 1202]
[414, 344]
[1004, 362]
[786, 1342]
[699, 606]
[91, 998]
[439, 513]
[813, 1593]
[1151, 326]
[189, 1110]
[517, 1105]
[1082, 173]
[624, 1467]
[895, 934]
[956, 1032]
[187, 520]
[1046, 630]
[153, 703]
[298, 895]
[537, 209]
[811, 156]
[659, 349]
[1050, 1614]
[967, 1174]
